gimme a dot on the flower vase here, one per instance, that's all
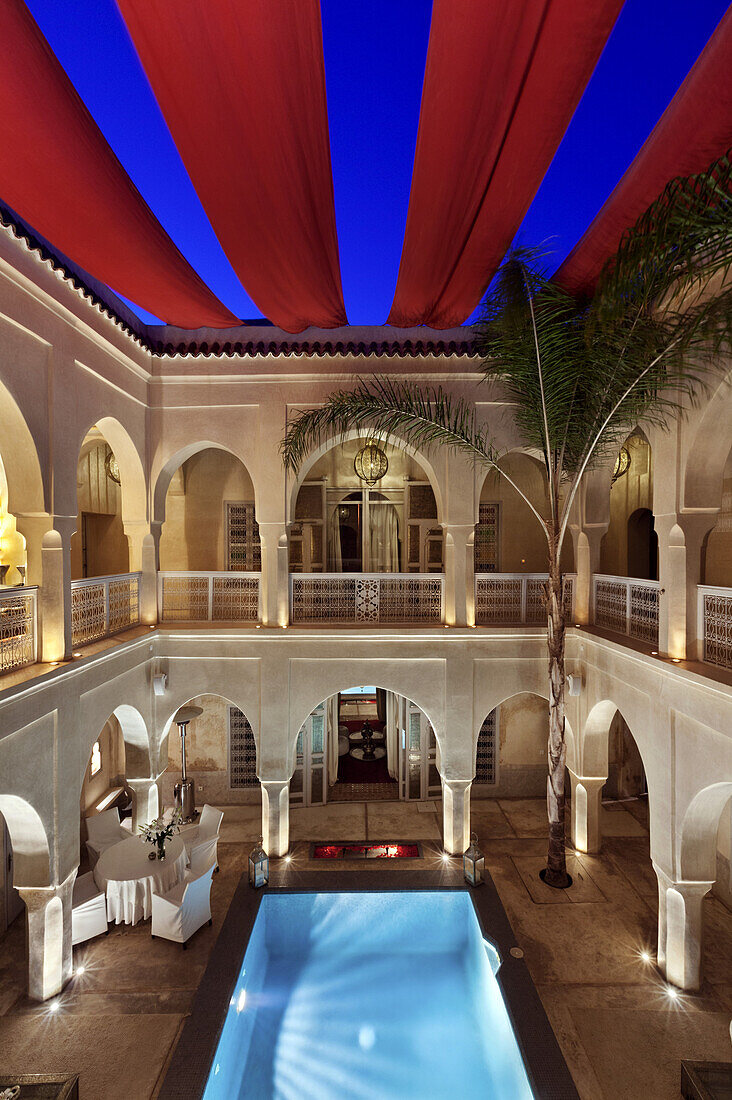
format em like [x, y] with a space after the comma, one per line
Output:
[161, 847]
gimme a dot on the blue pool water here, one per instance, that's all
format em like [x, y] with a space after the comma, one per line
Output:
[367, 996]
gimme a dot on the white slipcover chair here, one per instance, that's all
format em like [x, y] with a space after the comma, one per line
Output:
[184, 909]
[88, 910]
[103, 830]
[201, 841]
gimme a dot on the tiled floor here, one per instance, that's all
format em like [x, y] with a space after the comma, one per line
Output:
[623, 1039]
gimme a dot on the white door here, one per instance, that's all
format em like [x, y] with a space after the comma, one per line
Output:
[309, 783]
[419, 778]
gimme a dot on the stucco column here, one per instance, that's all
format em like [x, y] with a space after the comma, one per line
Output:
[275, 599]
[33, 528]
[149, 578]
[145, 801]
[586, 832]
[456, 815]
[56, 591]
[276, 816]
[672, 579]
[459, 574]
[683, 928]
[695, 526]
[587, 542]
[49, 937]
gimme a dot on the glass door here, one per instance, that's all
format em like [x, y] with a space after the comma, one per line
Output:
[309, 783]
[419, 777]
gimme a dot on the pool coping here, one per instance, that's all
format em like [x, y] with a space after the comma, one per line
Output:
[192, 1058]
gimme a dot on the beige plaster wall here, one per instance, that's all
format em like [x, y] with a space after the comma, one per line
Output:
[522, 545]
[207, 757]
[193, 535]
[632, 491]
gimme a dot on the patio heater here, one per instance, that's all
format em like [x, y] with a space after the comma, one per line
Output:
[184, 792]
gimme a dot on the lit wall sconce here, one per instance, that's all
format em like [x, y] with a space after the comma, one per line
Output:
[574, 685]
[160, 683]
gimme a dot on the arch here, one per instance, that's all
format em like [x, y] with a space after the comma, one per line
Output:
[31, 853]
[642, 551]
[708, 451]
[338, 682]
[133, 485]
[699, 833]
[20, 459]
[485, 472]
[135, 735]
[543, 695]
[162, 746]
[165, 475]
[594, 760]
[389, 440]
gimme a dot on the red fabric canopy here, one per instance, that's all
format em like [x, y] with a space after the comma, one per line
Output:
[501, 84]
[241, 84]
[695, 128]
[59, 174]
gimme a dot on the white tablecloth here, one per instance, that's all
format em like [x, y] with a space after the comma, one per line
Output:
[129, 878]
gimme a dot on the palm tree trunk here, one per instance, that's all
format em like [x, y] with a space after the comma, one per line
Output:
[555, 873]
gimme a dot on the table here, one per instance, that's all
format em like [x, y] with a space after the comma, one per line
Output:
[129, 878]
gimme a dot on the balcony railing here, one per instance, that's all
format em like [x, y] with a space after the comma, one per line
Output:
[715, 624]
[505, 599]
[18, 627]
[102, 606]
[627, 606]
[367, 598]
[213, 597]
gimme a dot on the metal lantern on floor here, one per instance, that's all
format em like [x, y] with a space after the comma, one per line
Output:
[258, 866]
[474, 863]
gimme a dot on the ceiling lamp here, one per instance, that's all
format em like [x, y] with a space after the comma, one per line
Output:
[111, 467]
[622, 464]
[371, 463]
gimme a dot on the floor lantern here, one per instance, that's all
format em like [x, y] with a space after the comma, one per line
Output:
[258, 866]
[474, 863]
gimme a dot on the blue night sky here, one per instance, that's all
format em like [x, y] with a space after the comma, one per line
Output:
[374, 59]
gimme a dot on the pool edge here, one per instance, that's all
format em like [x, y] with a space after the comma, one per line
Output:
[189, 1067]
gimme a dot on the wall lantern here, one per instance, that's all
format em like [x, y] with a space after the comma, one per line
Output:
[258, 865]
[622, 464]
[474, 863]
[111, 467]
[371, 463]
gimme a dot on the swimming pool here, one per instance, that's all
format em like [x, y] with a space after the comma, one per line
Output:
[353, 995]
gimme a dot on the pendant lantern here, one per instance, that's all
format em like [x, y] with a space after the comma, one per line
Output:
[371, 463]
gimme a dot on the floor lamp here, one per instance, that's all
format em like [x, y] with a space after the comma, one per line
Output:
[184, 792]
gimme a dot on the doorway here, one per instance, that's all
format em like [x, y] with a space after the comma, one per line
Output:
[365, 744]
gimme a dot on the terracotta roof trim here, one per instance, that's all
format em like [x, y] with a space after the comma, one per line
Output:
[258, 339]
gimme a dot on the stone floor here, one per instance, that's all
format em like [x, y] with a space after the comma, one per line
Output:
[117, 1023]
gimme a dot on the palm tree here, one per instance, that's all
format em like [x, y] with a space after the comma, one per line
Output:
[580, 375]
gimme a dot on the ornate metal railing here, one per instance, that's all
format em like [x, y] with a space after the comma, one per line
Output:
[367, 597]
[18, 627]
[213, 597]
[101, 606]
[503, 599]
[715, 625]
[627, 606]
